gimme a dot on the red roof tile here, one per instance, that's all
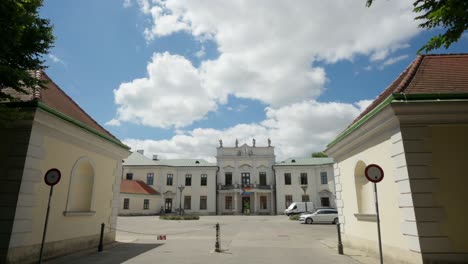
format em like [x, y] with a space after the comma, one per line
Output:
[428, 74]
[57, 99]
[136, 187]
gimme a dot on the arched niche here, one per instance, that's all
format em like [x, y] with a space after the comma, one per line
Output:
[363, 187]
[81, 188]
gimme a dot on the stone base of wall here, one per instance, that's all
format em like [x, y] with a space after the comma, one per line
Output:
[30, 254]
[441, 258]
[391, 254]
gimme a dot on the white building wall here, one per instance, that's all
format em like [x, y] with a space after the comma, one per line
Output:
[315, 188]
[136, 202]
[172, 192]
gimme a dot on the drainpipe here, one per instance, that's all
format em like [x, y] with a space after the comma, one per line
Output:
[217, 192]
[274, 189]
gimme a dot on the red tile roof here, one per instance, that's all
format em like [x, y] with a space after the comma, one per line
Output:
[428, 74]
[57, 99]
[136, 187]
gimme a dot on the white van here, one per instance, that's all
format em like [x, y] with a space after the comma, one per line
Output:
[299, 207]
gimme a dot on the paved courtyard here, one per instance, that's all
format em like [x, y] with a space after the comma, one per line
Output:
[244, 239]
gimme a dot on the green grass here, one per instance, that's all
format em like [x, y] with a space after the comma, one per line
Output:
[294, 217]
[179, 217]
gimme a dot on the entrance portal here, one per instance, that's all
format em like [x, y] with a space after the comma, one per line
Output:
[246, 205]
[168, 206]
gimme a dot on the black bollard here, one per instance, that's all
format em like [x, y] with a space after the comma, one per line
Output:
[340, 245]
[217, 246]
[101, 246]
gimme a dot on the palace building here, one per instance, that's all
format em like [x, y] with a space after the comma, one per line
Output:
[244, 180]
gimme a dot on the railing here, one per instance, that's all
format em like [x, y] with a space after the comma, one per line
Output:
[248, 185]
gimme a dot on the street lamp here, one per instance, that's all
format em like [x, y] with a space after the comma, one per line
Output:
[304, 188]
[181, 189]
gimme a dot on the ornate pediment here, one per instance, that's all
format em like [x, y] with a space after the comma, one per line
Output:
[228, 168]
[245, 166]
[262, 167]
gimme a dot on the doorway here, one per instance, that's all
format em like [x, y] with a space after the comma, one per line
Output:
[168, 206]
[246, 205]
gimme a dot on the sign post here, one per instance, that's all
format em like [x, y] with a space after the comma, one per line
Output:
[375, 174]
[51, 178]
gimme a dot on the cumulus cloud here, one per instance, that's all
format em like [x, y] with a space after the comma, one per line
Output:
[296, 130]
[170, 96]
[392, 61]
[267, 51]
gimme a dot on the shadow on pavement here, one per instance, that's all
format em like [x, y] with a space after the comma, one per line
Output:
[118, 253]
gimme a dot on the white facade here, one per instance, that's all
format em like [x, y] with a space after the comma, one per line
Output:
[245, 180]
[318, 181]
[197, 197]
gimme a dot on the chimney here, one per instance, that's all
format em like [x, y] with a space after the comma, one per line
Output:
[141, 151]
[155, 157]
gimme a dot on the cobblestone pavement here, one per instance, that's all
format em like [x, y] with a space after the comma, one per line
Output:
[244, 239]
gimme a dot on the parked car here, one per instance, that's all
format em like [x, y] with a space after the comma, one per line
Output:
[299, 207]
[320, 216]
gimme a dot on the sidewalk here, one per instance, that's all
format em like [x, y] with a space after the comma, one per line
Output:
[355, 254]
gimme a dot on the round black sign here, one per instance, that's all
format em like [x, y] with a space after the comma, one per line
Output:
[52, 177]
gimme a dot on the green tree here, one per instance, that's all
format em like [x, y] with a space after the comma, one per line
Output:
[452, 15]
[319, 155]
[24, 39]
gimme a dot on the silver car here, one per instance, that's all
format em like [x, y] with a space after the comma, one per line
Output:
[320, 216]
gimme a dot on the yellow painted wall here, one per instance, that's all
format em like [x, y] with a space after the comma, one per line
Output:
[450, 155]
[390, 214]
[63, 155]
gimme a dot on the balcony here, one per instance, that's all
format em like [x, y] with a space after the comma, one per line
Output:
[249, 185]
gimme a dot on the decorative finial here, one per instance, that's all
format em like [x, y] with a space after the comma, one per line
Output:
[220, 143]
[237, 143]
[269, 142]
[253, 142]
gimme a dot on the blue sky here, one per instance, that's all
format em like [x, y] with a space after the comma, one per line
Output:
[228, 71]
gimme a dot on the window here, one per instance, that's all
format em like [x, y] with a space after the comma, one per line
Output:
[288, 200]
[263, 202]
[145, 204]
[325, 201]
[323, 177]
[202, 202]
[228, 178]
[287, 178]
[305, 198]
[188, 179]
[228, 202]
[303, 178]
[187, 202]
[126, 203]
[150, 178]
[203, 179]
[129, 176]
[169, 179]
[262, 176]
[245, 178]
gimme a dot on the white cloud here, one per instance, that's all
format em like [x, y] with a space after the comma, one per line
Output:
[127, 3]
[392, 60]
[267, 51]
[238, 108]
[201, 53]
[170, 96]
[113, 122]
[295, 130]
[363, 104]
[55, 59]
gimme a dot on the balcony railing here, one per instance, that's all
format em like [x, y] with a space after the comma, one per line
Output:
[249, 185]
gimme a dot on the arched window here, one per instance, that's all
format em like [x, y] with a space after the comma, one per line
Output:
[81, 190]
[364, 196]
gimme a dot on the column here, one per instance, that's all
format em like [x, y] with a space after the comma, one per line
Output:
[255, 203]
[235, 202]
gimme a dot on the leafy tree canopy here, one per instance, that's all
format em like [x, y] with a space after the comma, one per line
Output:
[25, 37]
[319, 155]
[452, 15]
